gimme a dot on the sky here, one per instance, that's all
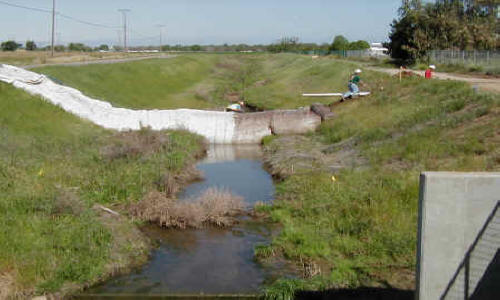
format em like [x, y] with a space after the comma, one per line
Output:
[199, 21]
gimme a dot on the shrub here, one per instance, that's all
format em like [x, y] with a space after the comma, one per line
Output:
[30, 45]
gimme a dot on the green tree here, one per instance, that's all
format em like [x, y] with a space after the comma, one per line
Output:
[79, 47]
[286, 44]
[59, 48]
[30, 45]
[445, 24]
[359, 45]
[195, 48]
[10, 46]
[103, 47]
[289, 44]
[340, 43]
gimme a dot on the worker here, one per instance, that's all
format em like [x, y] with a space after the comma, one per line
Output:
[428, 72]
[236, 107]
[354, 81]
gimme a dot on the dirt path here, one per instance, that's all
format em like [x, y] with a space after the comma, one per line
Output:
[98, 61]
[487, 84]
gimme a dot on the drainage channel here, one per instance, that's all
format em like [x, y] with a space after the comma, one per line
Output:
[212, 262]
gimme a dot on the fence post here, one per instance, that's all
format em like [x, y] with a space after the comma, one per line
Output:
[488, 57]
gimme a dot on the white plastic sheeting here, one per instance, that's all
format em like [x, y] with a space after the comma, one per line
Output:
[217, 127]
[334, 94]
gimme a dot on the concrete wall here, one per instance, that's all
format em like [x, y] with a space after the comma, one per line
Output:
[453, 207]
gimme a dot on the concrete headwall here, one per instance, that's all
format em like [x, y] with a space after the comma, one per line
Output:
[453, 207]
[252, 127]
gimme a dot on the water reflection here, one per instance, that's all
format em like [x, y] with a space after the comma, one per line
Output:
[211, 260]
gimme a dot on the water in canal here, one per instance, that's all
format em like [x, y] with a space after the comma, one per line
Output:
[210, 260]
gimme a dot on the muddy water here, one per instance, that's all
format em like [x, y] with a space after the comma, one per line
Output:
[211, 260]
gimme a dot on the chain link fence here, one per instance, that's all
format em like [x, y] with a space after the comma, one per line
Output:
[460, 57]
[359, 53]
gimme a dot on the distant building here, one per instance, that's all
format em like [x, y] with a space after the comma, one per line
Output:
[377, 49]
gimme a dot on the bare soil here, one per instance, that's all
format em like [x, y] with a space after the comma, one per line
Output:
[491, 84]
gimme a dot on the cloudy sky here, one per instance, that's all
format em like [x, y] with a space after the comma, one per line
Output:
[198, 21]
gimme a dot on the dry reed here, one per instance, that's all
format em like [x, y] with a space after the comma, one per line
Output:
[134, 143]
[171, 183]
[213, 207]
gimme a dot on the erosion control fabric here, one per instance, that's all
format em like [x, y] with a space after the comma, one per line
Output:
[217, 127]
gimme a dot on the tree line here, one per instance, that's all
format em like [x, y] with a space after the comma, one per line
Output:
[443, 25]
[340, 43]
[286, 44]
[32, 46]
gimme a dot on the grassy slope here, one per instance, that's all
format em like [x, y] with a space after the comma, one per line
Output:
[207, 80]
[156, 83]
[51, 173]
[361, 229]
[288, 76]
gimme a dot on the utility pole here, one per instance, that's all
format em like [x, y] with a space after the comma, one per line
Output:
[53, 25]
[161, 33]
[124, 13]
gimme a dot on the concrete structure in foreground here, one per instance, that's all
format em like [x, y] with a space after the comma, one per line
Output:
[453, 210]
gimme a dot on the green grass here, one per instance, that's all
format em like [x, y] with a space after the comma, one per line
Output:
[361, 228]
[52, 171]
[208, 80]
[156, 83]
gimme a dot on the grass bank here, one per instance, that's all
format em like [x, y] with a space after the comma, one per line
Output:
[211, 81]
[54, 169]
[359, 228]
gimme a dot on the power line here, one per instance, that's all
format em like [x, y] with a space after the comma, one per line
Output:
[60, 15]
[26, 7]
[87, 22]
[55, 13]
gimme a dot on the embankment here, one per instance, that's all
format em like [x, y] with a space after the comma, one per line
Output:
[348, 194]
[55, 172]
